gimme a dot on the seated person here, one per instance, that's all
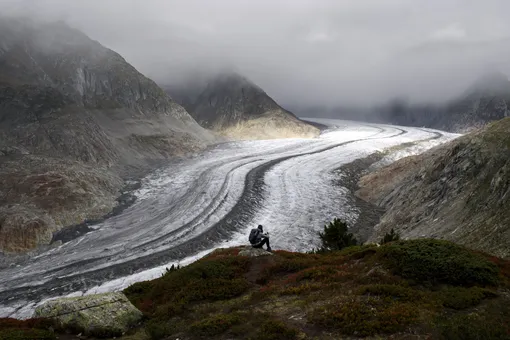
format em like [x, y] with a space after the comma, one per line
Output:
[257, 238]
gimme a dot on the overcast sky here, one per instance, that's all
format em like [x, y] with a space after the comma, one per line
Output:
[302, 52]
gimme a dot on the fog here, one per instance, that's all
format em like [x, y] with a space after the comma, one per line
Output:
[302, 52]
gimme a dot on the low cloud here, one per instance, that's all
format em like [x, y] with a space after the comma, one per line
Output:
[302, 52]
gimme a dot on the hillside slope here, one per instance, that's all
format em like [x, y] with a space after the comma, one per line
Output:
[397, 291]
[234, 106]
[459, 192]
[75, 119]
[421, 289]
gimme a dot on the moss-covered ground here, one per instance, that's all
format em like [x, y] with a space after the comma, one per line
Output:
[420, 289]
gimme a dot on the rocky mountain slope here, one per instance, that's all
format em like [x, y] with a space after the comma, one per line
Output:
[75, 120]
[459, 192]
[234, 106]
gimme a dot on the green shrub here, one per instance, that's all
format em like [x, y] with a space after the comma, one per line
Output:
[215, 325]
[358, 252]
[301, 289]
[214, 289]
[336, 236]
[461, 298]
[208, 279]
[284, 266]
[319, 273]
[138, 293]
[390, 237]
[38, 328]
[171, 269]
[439, 262]
[364, 316]
[394, 291]
[472, 327]
[276, 330]
[158, 329]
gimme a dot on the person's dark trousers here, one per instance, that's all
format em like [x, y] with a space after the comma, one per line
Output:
[261, 243]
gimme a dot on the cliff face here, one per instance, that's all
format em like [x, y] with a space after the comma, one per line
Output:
[459, 192]
[237, 108]
[75, 118]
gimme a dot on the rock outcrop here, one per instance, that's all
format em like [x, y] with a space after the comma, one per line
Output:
[75, 120]
[102, 315]
[459, 191]
[237, 108]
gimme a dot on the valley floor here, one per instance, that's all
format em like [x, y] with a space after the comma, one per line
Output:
[196, 205]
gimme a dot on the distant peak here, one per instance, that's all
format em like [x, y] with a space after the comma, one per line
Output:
[232, 79]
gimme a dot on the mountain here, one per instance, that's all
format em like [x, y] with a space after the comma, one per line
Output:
[486, 100]
[459, 192]
[75, 120]
[234, 106]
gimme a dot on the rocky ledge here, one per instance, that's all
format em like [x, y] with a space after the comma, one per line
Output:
[102, 315]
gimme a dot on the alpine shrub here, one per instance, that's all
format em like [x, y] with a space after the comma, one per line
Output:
[336, 236]
[390, 237]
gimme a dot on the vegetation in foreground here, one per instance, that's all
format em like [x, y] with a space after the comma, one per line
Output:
[418, 289]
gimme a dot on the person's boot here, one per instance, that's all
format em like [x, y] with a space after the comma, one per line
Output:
[269, 249]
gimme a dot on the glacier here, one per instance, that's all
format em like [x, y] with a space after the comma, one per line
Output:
[195, 205]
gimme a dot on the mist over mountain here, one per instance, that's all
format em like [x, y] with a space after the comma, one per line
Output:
[486, 99]
[234, 106]
[75, 120]
[307, 53]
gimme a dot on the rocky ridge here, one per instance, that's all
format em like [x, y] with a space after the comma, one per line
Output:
[75, 120]
[459, 191]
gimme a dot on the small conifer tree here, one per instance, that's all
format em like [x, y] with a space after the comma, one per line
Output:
[336, 236]
[390, 237]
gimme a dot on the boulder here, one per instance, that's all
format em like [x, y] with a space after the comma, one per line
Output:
[101, 315]
[253, 252]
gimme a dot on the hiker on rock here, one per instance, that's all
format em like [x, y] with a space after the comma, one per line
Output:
[258, 238]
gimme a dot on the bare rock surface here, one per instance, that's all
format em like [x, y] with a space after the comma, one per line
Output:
[110, 314]
[459, 191]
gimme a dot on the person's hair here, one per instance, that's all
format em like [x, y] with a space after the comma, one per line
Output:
[260, 227]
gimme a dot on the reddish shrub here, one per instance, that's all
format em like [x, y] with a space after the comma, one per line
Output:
[38, 323]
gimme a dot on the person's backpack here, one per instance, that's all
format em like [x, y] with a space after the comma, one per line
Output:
[253, 236]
